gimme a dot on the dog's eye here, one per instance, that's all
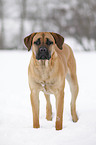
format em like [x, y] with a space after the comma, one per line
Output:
[38, 42]
[48, 42]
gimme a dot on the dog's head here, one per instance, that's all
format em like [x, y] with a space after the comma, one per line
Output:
[42, 44]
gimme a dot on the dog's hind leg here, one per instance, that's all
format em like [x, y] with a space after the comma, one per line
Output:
[73, 83]
[48, 107]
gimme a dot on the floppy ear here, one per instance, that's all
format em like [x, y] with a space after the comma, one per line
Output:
[28, 40]
[58, 39]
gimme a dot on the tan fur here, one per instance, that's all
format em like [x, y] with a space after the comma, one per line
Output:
[49, 76]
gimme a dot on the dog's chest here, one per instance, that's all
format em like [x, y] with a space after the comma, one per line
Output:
[47, 88]
[44, 88]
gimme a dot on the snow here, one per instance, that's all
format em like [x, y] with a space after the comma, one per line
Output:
[15, 108]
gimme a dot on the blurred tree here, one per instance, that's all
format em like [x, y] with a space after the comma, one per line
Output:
[71, 18]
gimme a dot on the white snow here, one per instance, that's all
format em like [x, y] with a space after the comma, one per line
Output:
[15, 108]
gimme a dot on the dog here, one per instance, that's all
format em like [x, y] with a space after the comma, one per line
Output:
[51, 63]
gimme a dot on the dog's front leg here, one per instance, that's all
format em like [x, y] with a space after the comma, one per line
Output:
[48, 107]
[34, 96]
[59, 108]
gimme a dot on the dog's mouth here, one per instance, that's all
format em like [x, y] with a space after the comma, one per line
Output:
[43, 56]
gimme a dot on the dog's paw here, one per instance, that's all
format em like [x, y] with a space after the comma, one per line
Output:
[75, 118]
[36, 125]
[58, 125]
[49, 117]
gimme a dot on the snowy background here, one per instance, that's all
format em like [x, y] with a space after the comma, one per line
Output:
[76, 21]
[15, 107]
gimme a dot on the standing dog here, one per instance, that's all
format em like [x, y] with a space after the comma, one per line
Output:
[52, 61]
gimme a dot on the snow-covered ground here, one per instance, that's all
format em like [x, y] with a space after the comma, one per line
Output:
[15, 108]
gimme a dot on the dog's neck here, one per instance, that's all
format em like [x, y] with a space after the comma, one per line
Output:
[44, 63]
[44, 68]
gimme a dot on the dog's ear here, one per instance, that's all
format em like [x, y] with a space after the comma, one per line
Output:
[59, 40]
[28, 40]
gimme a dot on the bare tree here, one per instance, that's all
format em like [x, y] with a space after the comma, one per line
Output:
[22, 18]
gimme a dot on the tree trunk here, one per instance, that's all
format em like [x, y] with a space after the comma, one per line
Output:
[2, 26]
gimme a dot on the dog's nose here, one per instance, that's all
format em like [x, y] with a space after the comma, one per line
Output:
[43, 49]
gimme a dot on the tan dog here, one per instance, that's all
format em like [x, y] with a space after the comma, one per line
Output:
[52, 61]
